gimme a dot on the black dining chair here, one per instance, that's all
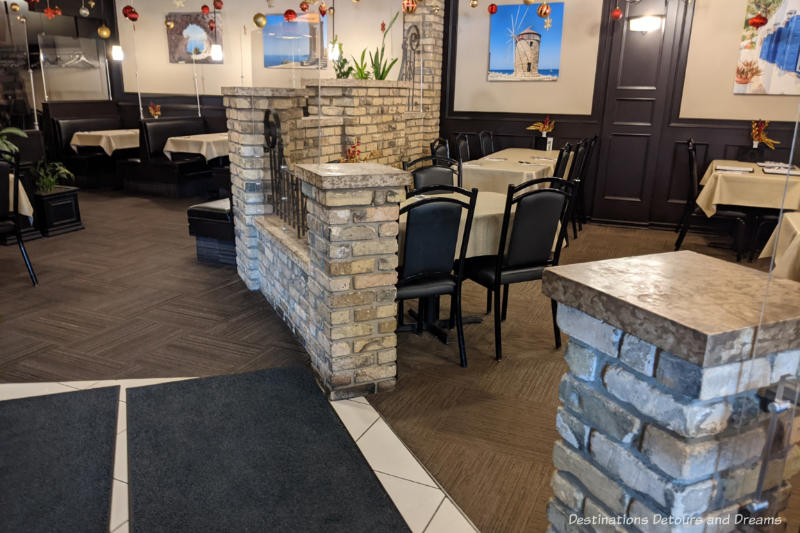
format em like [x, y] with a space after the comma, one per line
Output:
[441, 171]
[486, 140]
[429, 269]
[737, 217]
[526, 244]
[440, 148]
[562, 161]
[579, 209]
[10, 219]
[462, 147]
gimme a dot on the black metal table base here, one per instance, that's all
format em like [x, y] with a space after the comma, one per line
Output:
[431, 321]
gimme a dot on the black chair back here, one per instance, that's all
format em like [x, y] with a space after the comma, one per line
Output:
[561, 162]
[529, 242]
[67, 127]
[462, 147]
[694, 177]
[486, 140]
[156, 132]
[442, 171]
[579, 156]
[440, 148]
[429, 254]
[9, 164]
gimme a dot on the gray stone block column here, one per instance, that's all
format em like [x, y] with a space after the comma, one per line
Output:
[663, 417]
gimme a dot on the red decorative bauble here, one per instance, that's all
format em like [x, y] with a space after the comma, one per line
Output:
[304, 6]
[134, 16]
[205, 9]
[409, 6]
[49, 13]
[323, 9]
[289, 15]
[616, 14]
[757, 21]
[212, 25]
[544, 10]
[492, 9]
[127, 10]
[57, 10]
[218, 5]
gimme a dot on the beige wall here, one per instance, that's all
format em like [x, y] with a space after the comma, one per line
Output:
[713, 55]
[571, 94]
[358, 26]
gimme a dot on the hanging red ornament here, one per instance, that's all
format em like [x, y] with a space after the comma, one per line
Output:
[212, 25]
[616, 14]
[492, 9]
[304, 6]
[323, 9]
[218, 5]
[49, 13]
[127, 10]
[205, 9]
[543, 10]
[134, 16]
[289, 15]
[57, 10]
[757, 21]
[409, 6]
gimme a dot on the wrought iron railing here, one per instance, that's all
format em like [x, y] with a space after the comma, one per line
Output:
[288, 201]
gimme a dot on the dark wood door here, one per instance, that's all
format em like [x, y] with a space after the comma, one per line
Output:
[634, 117]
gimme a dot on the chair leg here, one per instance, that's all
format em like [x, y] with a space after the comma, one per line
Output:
[25, 258]
[556, 330]
[420, 315]
[740, 239]
[456, 304]
[684, 227]
[488, 301]
[498, 348]
[400, 313]
[574, 226]
[505, 301]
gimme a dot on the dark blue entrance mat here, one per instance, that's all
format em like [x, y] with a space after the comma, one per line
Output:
[57, 461]
[253, 452]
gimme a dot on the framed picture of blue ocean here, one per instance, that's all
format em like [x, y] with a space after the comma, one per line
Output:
[190, 39]
[299, 43]
[523, 45]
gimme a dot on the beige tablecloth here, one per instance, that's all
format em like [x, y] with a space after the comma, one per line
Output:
[25, 207]
[209, 145]
[787, 253]
[495, 172]
[755, 189]
[108, 140]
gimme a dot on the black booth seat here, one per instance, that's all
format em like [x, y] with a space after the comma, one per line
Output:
[211, 223]
[90, 164]
[154, 173]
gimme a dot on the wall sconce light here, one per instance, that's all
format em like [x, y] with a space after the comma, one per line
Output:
[117, 53]
[646, 24]
[216, 52]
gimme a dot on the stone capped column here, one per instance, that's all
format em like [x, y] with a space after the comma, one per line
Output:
[663, 417]
[353, 213]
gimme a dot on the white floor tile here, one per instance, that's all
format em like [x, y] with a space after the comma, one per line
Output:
[386, 453]
[417, 503]
[124, 528]
[356, 417]
[448, 519]
[121, 458]
[80, 385]
[12, 391]
[359, 399]
[122, 417]
[119, 505]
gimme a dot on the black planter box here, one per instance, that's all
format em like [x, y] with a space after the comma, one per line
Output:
[540, 143]
[57, 211]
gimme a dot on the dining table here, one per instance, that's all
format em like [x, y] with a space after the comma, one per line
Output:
[511, 166]
[747, 184]
[784, 246]
[209, 145]
[109, 140]
[25, 207]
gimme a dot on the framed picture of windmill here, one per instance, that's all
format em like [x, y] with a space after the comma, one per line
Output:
[525, 42]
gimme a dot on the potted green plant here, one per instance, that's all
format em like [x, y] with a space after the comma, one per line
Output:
[56, 207]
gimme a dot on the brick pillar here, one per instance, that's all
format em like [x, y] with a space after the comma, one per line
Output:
[353, 212]
[662, 419]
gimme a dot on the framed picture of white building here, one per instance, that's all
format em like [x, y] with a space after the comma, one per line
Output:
[525, 42]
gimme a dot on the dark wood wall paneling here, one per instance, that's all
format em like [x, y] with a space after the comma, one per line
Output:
[640, 170]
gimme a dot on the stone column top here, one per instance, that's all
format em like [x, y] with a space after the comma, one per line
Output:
[263, 91]
[702, 309]
[352, 175]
